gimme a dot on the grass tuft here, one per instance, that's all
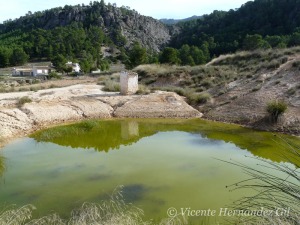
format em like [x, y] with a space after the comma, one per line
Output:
[23, 101]
[276, 109]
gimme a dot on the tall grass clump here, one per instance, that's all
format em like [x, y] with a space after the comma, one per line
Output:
[276, 109]
[16, 216]
[110, 212]
[276, 186]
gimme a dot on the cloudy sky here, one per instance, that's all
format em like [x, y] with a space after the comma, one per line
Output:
[177, 9]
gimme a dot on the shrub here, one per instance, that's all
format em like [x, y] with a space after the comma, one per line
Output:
[143, 90]
[23, 100]
[277, 82]
[34, 88]
[207, 83]
[23, 89]
[101, 80]
[291, 91]
[257, 88]
[54, 75]
[194, 99]
[296, 64]
[276, 109]
[36, 81]
[53, 86]
[111, 86]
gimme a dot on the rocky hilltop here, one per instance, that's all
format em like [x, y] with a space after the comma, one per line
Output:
[117, 22]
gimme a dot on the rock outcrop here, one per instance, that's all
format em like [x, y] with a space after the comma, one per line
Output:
[113, 20]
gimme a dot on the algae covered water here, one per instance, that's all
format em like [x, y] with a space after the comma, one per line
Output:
[162, 164]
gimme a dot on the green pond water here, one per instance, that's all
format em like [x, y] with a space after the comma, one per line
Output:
[162, 163]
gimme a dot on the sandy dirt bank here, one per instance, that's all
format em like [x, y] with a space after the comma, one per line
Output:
[83, 101]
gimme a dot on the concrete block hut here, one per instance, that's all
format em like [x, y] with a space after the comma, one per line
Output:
[129, 83]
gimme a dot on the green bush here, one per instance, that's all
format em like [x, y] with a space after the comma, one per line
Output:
[276, 109]
[23, 100]
[195, 99]
[54, 75]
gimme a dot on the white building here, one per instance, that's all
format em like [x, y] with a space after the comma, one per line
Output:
[75, 66]
[129, 83]
[32, 71]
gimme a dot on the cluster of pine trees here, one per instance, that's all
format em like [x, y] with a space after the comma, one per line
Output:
[30, 38]
[258, 24]
[72, 42]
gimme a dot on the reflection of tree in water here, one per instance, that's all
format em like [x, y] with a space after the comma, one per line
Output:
[2, 166]
[111, 134]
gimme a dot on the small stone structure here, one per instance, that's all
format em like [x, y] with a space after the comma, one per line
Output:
[128, 83]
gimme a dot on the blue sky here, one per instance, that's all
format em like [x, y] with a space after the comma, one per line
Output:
[177, 9]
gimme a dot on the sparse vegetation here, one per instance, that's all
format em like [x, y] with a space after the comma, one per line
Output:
[276, 109]
[143, 89]
[195, 99]
[23, 101]
[111, 86]
[291, 91]
[257, 88]
[279, 190]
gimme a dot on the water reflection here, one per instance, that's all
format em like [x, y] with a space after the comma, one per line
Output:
[111, 134]
[129, 129]
[2, 165]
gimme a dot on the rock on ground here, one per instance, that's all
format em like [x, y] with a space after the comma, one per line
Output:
[159, 104]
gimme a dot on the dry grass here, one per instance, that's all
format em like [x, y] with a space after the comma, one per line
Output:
[276, 186]
[111, 212]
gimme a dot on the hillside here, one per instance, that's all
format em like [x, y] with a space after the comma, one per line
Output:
[275, 23]
[110, 18]
[78, 33]
[237, 88]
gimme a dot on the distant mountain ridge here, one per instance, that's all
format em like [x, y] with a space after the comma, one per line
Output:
[175, 21]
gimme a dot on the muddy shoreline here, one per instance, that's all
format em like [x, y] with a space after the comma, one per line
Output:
[52, 107]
